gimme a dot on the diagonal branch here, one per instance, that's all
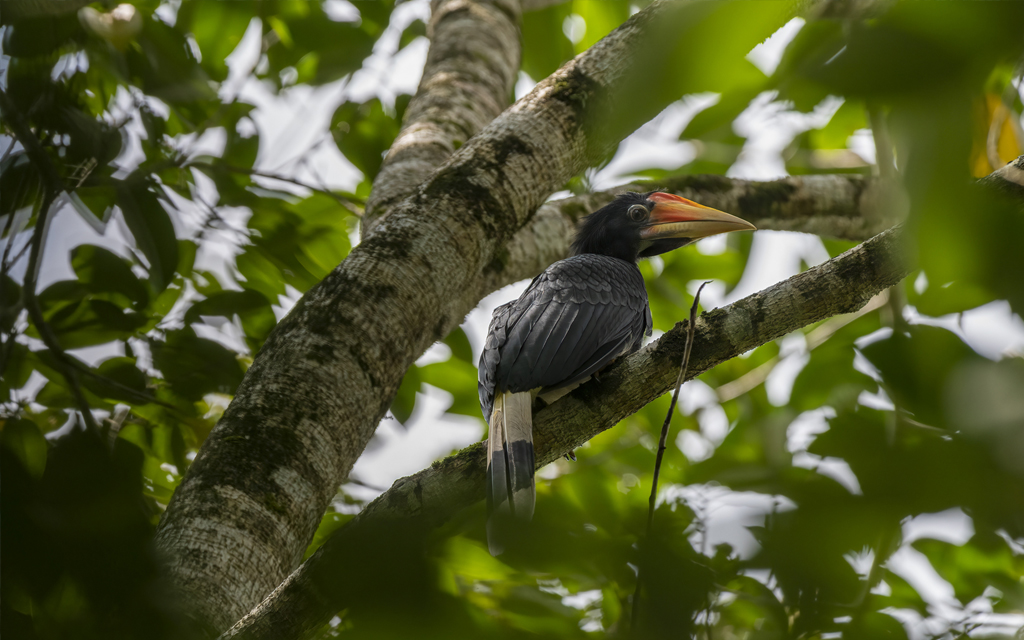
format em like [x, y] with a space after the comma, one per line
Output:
[311, 595]
[327, 374]
[467, 81]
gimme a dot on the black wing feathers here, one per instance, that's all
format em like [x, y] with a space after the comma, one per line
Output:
[575, 318]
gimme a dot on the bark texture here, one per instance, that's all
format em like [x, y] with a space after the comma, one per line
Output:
[467, 81]
[844, 284]
[250, 503]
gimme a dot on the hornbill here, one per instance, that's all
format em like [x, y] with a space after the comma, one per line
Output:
[574, 319]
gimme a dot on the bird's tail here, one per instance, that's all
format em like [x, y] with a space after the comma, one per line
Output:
[510, 490]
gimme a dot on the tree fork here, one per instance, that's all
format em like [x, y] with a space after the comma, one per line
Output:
[467, 81]
[248, 506]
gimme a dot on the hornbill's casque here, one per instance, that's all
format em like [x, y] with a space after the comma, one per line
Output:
[575, 318]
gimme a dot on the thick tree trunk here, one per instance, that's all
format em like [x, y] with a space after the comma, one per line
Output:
[248, 507]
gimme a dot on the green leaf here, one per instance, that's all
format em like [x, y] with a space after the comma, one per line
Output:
[601, 17]
[916, 365]
[252, 308]
[816, 40]
[186, 257]
[227, 304]
[20, 184]
[756, 607]
[23, 439]
[34, 37]
[405, 399]
[901, 596]
[217, 27]
[983, 562]
[120, 380]
[296, 243]
[101, 270]
[169, 446]
[906, 469]
[17, 368]
[99, 200]
[10, 302]
[849, 118]
[163, 66]
[953, 297]
[458, 378]
[239, 150]
[829, 376]
[261, 274]
[79, 321]
[331, 522]
[874, 624]
[722, 113]
[340, 47]
[196, 366]
[545, 46]
[151, 226]
[458, 342]
[363, 132]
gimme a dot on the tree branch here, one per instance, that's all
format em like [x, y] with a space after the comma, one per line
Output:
[1008, 179]
[467, 81]
[248, 506]
[847, 207]
[311, 595]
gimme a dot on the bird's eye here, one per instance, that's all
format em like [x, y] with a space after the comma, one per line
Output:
[638, 213]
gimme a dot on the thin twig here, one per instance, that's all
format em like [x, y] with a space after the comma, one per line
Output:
[17, 257]
[54, 187]
[683, 366]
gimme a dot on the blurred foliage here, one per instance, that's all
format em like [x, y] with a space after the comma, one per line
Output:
[781, 516]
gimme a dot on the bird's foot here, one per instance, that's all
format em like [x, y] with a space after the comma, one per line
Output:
[571, 456]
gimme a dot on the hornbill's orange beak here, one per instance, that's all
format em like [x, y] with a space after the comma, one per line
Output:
[676, 217]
